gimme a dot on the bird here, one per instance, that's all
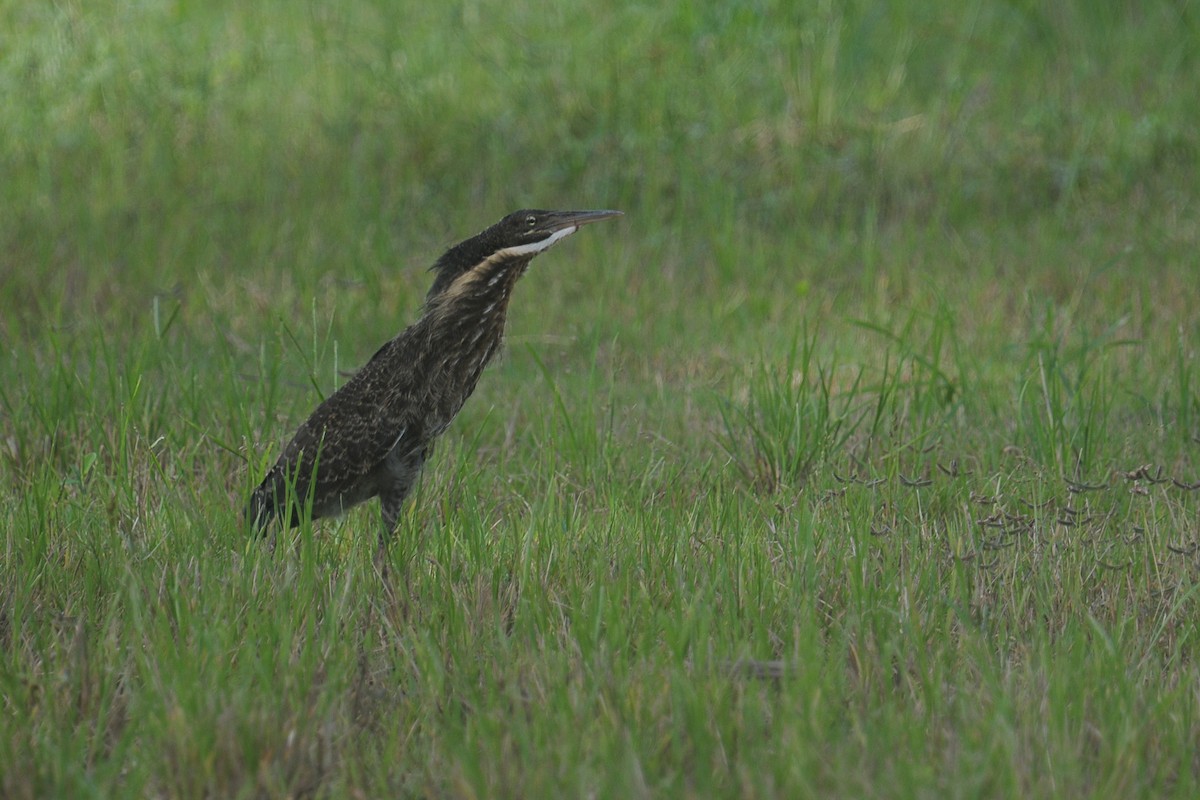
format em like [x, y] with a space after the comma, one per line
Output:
[372, 437]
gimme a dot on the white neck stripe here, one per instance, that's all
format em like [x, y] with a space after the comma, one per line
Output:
[533, 248]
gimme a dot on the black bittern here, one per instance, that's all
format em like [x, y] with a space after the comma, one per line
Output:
[373, 435]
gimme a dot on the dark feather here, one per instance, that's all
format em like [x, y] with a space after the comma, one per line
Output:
[373, 435]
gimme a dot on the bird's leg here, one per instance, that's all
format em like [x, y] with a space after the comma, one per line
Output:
[390, 512]
[395, 485]
[390, 506]
[398, 480]
[381, 567]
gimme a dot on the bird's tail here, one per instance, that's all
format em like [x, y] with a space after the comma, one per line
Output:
[260, 509]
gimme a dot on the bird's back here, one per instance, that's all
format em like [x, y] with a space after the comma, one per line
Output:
[393, 407]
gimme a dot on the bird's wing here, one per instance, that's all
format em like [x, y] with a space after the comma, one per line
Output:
[353, 430]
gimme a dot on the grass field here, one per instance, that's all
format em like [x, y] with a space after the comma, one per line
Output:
[859, 459]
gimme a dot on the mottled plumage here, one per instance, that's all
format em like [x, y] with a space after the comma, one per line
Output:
[373, 435]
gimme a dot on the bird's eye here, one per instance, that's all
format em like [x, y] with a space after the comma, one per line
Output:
[531, 220]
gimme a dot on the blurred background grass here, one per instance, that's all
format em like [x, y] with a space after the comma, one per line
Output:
[896, 284]
[257, 177]
[147, 141]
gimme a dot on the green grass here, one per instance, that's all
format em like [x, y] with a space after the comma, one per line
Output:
[858, 459]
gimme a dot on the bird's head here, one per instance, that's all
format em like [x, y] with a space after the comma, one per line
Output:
[516, 239]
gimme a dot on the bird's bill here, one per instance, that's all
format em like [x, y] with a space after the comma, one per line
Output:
[577, 219]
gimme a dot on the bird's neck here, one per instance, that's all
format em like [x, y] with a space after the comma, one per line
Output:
[466, 319]
[479, 291]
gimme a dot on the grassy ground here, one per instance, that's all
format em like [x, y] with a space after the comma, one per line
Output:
[859, 459]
